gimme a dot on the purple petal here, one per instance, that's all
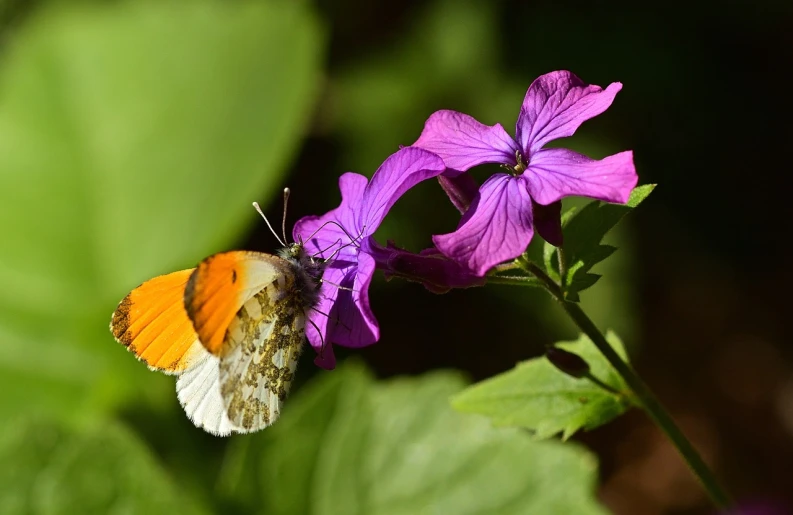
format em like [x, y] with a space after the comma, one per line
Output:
[400, 172]
[548, 222]
[555, 173]
[461, 190]
[462, 142]
[322, 235]
[321, 317]
[497, 227]
[556, 104]
[326, 358]
[355, 325]
[342, 315]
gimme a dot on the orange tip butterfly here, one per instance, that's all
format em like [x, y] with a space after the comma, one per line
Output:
[232, 330]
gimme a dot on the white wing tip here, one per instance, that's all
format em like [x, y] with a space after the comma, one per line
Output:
[198, 391]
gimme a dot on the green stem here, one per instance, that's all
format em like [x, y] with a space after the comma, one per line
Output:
[504, 267]
[642, 392]
[514, 280]
[537, 272]
[562, 263]
[607, 387]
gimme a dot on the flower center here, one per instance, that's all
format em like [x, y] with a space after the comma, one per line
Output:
[519, 168]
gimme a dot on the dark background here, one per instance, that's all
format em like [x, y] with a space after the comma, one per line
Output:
[705, 108]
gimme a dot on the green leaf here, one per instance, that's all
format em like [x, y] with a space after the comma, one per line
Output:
[583, 232]
[133, 138]
[25, 450]
[286, 454]
[537, 396]
[549, 260]
[48, 469]
[349, 445]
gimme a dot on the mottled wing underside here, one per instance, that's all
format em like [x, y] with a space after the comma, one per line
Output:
[260, 354]
[250, 318]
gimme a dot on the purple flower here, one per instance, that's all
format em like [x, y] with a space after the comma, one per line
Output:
[502, 218]
[343, 236]
[429, 267]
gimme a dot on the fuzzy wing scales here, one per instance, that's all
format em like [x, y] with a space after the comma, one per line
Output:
[198, 390]
[260, 354]
[219, 287]
[151, 322]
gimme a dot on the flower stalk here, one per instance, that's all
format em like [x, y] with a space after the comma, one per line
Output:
[641, 392]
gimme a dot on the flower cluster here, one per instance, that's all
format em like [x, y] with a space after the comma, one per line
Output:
[498, 219]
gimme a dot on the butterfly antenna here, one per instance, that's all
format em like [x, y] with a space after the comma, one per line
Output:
[259, 210]
[287, 191]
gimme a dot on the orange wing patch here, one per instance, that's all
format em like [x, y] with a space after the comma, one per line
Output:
[219, 287]
[152, 323]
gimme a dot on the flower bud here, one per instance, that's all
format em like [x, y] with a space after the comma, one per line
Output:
[569, 363]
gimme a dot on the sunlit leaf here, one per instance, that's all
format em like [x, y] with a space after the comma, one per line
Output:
[355, 446]
[48, 469]
[535, 395]
[286, 453]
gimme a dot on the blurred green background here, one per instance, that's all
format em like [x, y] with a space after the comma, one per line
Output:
[135, 134]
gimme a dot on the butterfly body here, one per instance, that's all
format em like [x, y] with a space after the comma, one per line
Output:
[232, 328]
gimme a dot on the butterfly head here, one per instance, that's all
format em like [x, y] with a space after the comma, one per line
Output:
[308, 270]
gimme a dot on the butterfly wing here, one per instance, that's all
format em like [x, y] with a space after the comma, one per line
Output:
[260, 355]
[250, 317]
[152, 323]
[221, 284]
[198, 390]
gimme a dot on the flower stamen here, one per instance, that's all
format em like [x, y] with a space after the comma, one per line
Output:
[521, 166]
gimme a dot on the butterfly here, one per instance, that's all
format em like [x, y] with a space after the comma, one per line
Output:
[232, 330]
